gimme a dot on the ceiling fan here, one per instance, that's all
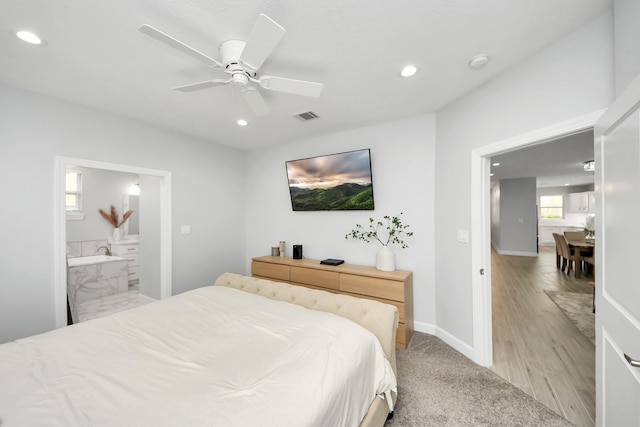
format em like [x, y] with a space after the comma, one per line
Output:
[242, 60]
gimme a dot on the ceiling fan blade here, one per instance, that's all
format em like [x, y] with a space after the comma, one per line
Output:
[264, 37]
[296, 87]
[177, 44]
[255, 101]
[202, 85]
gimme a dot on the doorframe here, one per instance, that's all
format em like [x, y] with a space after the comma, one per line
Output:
[60, 227]
[481, 222]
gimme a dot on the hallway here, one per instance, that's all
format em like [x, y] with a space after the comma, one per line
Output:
[535, 346]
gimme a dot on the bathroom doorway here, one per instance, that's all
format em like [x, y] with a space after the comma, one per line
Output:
[154, 223]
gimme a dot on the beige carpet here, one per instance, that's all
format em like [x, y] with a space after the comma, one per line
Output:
[439, 386]
[578, 308]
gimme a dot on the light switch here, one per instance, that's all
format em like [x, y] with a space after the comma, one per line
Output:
[185, 229]
[463, 236]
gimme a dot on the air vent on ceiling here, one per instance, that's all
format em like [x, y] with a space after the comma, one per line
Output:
[308, 115]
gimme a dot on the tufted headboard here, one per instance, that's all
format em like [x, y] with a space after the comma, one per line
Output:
[379, 318]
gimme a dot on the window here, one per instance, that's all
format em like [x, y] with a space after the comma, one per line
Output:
[73, 194]
[551, 207]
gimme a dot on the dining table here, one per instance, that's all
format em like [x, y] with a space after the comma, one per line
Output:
[581, 247]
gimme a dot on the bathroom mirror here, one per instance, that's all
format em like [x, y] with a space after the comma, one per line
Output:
[131, 227]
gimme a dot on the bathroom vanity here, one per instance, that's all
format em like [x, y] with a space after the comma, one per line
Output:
[129, 249]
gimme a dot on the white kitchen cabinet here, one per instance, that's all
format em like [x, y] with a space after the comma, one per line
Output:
[545, 233]
[580, 202]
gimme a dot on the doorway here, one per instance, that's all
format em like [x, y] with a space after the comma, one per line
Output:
[481, 223]
[161, 259]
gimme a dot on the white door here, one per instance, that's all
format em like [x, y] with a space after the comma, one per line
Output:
[617, 184]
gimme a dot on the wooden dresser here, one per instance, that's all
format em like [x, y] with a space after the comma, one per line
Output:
[391, 287]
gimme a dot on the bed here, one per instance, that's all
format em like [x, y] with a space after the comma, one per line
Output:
[244, 352]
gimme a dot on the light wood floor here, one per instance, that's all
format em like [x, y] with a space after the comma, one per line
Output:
[535, 346]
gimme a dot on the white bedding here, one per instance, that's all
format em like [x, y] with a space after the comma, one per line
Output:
[214, 356]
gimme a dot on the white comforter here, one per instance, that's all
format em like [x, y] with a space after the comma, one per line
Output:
[214, 356]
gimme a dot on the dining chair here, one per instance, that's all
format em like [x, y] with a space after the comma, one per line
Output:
[579, 236]
[566, 252]
[576, 236]
[558, 251]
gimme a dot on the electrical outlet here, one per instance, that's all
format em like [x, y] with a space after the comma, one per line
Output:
[185, 229]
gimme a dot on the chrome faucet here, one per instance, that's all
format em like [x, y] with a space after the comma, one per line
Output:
[107, 251]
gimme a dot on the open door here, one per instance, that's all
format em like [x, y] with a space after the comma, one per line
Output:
[617, 186]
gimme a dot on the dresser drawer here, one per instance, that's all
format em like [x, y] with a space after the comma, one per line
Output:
[397, 304]
[372, 286]
[319, 278]
[394, 288]
[402, 336]
[271, 271]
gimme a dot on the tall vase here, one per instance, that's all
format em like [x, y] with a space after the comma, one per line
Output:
[116, 234]
[385, 259]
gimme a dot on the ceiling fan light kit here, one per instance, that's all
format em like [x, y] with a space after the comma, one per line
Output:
[242, 60]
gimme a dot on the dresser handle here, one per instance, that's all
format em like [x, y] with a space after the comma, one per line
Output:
[632, 362]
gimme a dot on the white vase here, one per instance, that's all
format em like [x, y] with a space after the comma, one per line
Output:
[116, 234]
[385, 259]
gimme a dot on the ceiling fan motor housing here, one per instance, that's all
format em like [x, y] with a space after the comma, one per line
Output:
[230, 52]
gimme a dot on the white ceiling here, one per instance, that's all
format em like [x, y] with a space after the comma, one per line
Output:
[95, 56]
[555, 163]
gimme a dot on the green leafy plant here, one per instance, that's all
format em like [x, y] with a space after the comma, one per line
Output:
[396, 231]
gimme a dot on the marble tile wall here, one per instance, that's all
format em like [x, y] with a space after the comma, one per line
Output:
[85, 248]
[89, 282]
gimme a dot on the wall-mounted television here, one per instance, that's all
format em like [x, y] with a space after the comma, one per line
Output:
[333, 182]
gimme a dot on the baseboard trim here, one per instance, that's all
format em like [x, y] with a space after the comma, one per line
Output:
[426, 328]
[517, 253]
[454, 342]
[146, 299]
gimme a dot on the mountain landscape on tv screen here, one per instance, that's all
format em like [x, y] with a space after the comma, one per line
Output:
[341, 197]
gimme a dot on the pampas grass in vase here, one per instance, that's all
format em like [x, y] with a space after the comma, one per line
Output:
[112, 218]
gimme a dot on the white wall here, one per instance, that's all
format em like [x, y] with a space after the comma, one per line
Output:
[627, 42]
[100, 190]
[402, 157]
[495, 213]
[207, 183]
[518, 217]
[150, 232]
[572, 77]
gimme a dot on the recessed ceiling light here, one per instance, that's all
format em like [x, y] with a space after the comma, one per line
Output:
[29, 37]
[496, 164]
[567, 184]
[408, 71]
[490, 174]
[242, 122]
[479, 61]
